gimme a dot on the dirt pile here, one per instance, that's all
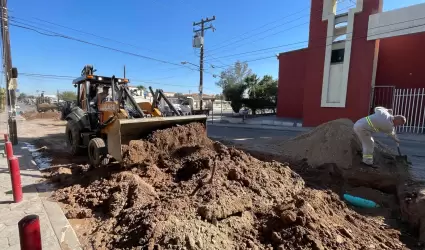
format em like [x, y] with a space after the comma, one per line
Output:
[332, 153]
[412, 203]
[332, 142]
[32, 115]
[180, 190]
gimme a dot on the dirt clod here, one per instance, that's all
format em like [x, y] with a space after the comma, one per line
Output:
[32, 115]
[250, 204]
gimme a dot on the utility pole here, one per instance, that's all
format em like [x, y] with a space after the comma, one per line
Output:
[201, 57]
[124, 71]
[10, 74]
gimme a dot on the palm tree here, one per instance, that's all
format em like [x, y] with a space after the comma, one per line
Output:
[141, 87]
[252, 82]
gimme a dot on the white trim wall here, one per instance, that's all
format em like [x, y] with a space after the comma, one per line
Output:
[328, 14]
[403, 21]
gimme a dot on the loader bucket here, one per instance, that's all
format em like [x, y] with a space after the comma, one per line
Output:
[121, 132]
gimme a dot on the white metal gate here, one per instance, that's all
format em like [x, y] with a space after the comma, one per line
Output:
[382, 96]
[410, 103]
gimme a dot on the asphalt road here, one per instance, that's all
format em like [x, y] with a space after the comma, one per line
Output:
[414, 149]
[232, 133]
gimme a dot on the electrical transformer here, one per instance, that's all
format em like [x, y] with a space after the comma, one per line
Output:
[198, 41]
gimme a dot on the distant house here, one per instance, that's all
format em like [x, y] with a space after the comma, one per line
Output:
[196, 96]
[169, 94]
[52, 98]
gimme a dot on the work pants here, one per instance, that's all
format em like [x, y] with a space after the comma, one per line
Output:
[367, 141]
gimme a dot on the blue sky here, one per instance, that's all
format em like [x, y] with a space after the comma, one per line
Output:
[160, 29]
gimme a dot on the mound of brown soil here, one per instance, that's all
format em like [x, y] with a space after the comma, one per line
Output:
[332, 152]
[332, 142]
[32, 115]
[412, 206]
[180, 190]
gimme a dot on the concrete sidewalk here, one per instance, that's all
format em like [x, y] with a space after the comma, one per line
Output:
[56, 232]
[271, 121]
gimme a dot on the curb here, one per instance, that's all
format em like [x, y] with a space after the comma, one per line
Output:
[259, 122]
[266, 127]
[63, 230]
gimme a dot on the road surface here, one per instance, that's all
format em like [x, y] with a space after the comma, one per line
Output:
[414, 149]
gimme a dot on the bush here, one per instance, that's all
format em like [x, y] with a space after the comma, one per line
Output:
[258, 104]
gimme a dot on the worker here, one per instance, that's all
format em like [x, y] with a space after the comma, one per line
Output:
[383, 121]
[103, 96]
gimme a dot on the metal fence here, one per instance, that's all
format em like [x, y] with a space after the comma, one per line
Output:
[407, 102]
[410, 103]
[383, 96]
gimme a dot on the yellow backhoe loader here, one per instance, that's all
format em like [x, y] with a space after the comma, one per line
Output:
[106, 116]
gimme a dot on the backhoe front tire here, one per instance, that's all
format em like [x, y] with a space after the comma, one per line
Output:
[73, 138]
[98, 153]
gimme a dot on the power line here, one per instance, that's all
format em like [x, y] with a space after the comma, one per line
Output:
[244, 39]
[68, 78]
[109, 39]
[282, 45]
[306, 41]
[272, 28]
[264, 25]
[56, 34]
[264, 37]
[360, 37]
[82, 32]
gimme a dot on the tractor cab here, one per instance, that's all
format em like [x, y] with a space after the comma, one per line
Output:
[100, 97]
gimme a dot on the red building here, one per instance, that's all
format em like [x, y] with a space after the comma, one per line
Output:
[380, 61]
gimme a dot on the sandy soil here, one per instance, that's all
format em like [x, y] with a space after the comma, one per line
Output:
[32, 115]
[109, 207]
[180, 190]
[329, 156]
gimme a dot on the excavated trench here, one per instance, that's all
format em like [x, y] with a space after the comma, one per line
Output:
[180, 190]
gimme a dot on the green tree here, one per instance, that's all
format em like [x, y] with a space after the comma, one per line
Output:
[234, 94]
[141, 87]
[268, 88]
[263, 93]
[179, 95]
[218, 96]
[235, 74]
[252, 84]
[2, 99]
[67, 96]
[232, 81]
[22, 96]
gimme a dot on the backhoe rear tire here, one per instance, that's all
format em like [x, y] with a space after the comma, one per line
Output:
[73, 138]
[98, 153]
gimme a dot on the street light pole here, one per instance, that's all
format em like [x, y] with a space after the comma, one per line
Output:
[10, 73]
